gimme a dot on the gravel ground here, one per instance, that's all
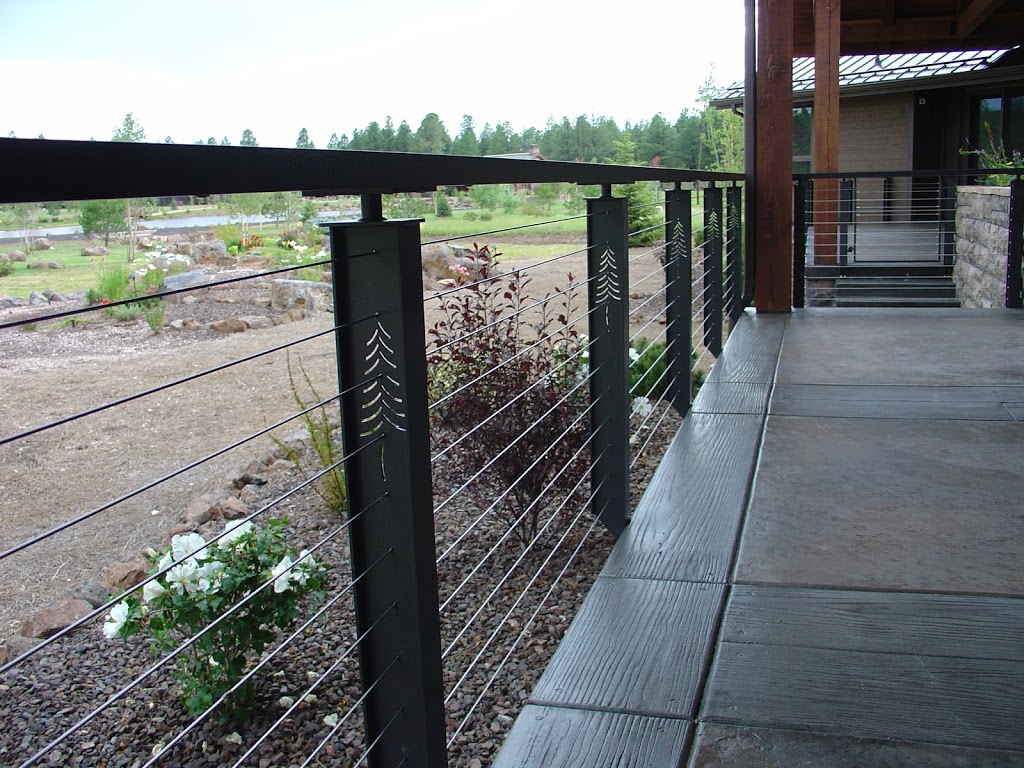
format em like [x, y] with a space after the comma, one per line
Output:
[53, 371]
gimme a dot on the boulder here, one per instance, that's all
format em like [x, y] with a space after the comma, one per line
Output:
[185, 249]
[6, 302]
[229, 325]
[444, 262]
[301, 294]
[191, 324]
[122, 576]
[36, 299]
[17, 256]
[41, 244]
[54, 265]
[200, 510]
[49, 621]
[94, 592]
[209, 251]
[291, 316]
[37, 265]
[14, 646]
[181, 281]
[96, 250]
[232, 508]
[54, 297]
[257, 321]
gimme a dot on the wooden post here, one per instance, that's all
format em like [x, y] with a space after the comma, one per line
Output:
[773, 182]
[826, 129]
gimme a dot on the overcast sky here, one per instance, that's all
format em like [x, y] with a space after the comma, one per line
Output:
[188, 69]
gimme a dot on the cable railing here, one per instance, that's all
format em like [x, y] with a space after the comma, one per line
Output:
[884, 236]
[380, 588]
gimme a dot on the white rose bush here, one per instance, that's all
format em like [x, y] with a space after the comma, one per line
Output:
[247, 564]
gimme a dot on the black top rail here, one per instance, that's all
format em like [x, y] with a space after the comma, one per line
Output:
[39, 170]
[1017, 172]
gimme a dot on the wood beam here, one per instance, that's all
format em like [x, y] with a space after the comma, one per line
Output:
[773, 291]
[976, 14]
[826, 130]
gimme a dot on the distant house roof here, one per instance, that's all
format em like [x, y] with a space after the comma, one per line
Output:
[532, 154]
[871, 70]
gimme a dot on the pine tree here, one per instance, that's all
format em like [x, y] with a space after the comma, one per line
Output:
[248, 139]
[303, 141]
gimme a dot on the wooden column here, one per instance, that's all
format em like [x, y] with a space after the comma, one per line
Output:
[826, 130]
[773, 182]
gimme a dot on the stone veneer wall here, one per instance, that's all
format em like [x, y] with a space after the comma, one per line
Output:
[982, 229]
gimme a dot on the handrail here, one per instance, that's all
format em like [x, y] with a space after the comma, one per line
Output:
[38, 170]
[1018, 172]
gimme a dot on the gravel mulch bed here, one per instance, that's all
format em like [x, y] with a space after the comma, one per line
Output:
[54, 689]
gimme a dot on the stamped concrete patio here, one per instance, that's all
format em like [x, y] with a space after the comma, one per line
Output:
[827, 567]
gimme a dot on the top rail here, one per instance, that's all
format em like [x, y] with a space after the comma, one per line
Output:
[39, 170]
[963, 172]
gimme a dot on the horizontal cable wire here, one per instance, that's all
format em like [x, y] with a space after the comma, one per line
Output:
[642, 206]
[658, 318]
[381, 735]
[649, 252]
[493, 460]
[667, 408]
[249, 518]
[647, 229]
[508, 318]
[503, 275]
[113, 699]
[176, 382]
[517, 355]
[510, 403]
[267, 659]
[658, 359]
[160, 295]
[352, 710]
[522, 633]
[648, 300]
[510, 530]
[298, 700]
[497, 629]
[512, 229]
[171, 475]
[659, 271]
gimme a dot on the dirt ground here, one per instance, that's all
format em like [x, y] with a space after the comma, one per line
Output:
[53, 370]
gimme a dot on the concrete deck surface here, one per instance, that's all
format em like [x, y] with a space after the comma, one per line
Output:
[828, 568]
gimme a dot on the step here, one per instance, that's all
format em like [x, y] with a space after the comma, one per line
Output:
[897, 301]
[885, 289]
[888, 270]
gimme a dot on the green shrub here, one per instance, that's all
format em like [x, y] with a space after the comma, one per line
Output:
[155, 311]
[444, 208]
[113, 283]
[6, 267]
[647, 370]
[210, 580]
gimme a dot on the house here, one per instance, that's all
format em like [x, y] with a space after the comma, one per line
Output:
[533, 153]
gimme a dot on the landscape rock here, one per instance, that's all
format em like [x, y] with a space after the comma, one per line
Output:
[201, 510]
[291, 316]
[96, 250]
[15, 645]
[191, 279]
[257, 321]
[94, 592]
[439, 261]
[37, 265]
[54, 265]
[7, 302]
[123, 576]
[209, 251]
[54, 296]
[41, 244]
[229, 325]
[17, 256]
[49, 621]
[36, 299]
[185, 249]
[301, 294]
[191, 324]
[248, 478]
[232, 508]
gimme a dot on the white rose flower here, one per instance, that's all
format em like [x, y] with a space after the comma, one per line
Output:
[152, 591]
[181, 578]
[642, 406]
[184, 545]
[234, 529]
[283, 574]
[116, 620]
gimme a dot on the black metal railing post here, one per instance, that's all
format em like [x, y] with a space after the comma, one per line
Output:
[734, 250]
[607, 288]
[799, 242]
[378, 308]
[679, 297]
[947, 220]
[713, 269]
[1015, 246]
[847, 225]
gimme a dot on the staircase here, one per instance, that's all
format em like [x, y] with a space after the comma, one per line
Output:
[892, 286]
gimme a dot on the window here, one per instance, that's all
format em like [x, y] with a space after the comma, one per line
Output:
[803, 133]
[997, 123]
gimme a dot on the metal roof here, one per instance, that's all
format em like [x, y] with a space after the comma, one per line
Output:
[890, 68]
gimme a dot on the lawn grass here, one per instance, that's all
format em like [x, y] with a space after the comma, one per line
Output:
[458, 225]
[79, 273]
